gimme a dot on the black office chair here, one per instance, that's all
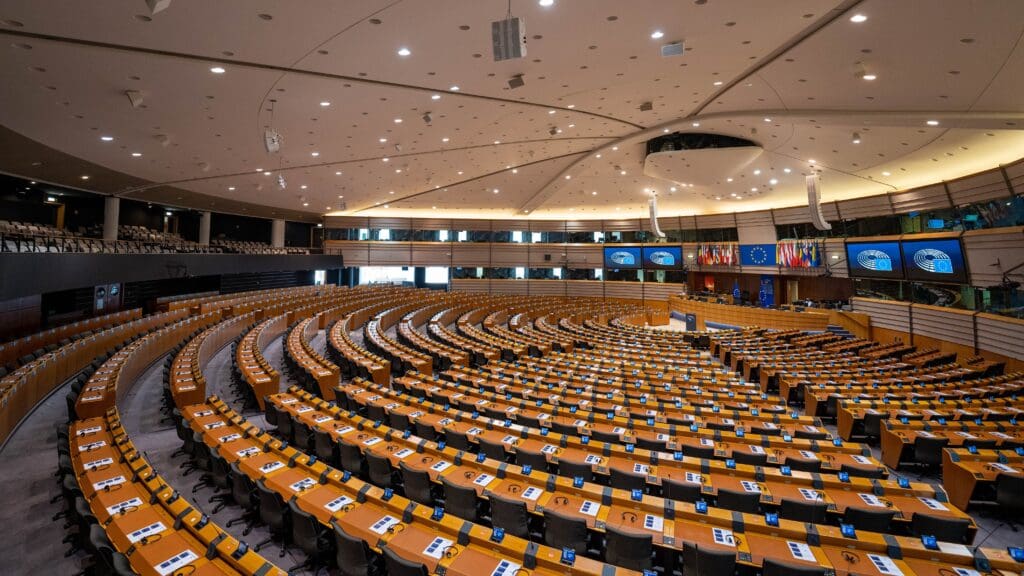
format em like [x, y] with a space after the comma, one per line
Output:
[379, 471]
[869, 520]
[510, 515]
[351, 458]
[220, 472]
[426, 431]
[527, 421]
[243, 492]
[766, 431]
[459, 501]
[804, 465]
[275, 515]
[928, 451]
[353, 555]
[303, 435]
[606, 437]
[493, 450]
[682, 491]
[630, 550]
[284, 426]
[398, 421]
[416, 484]
[813, 512]
[375, 413]
[743, 457]
[945, 529]
[626, 480]
[310, 535]
[655, 445]
[775, 568]
[806, 435]
[739, 501]
[721, 426]
[326, 448]
[561, 531]
[71, 399]
[981, 444]
[572, 469]
[873, 426]
[857, 471]
[398, 566]
[1010, 495]
[457, 440]
[699, 561]
[702, 452]
[103, 551]
[537, 460]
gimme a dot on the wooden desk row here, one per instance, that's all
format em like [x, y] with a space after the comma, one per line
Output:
[11, 351]
[187, 382]
[966, 475]
[364, 511]
[669, 523]
[147, 520]
[851, 413]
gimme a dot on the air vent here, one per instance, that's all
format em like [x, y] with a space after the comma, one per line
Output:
[673, 49]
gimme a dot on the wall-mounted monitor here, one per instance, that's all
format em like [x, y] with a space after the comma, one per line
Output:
[622, 258]
[663, 257]
[934, 260]
[874, 260]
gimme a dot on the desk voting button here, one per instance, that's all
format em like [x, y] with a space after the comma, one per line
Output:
[497, 535]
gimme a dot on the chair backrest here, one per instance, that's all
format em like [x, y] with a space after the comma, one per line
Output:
[814, 512]
[242, 488]
[511, 515]
[494, 450]
[807, 435]
[561, 531]
[738, 501]
[456, 440]
[426, 431]
[537, 460]
[699, 561]
[1010, 493]
[398, 566]
[775, 568]
[928, 451]
[742, 457]
[353, 554]
[683, 491]
[220, 471]
[305, 530]
[326, 448]
[271, 413]
[417, 485]
[351, 457]
[697, 451]
[272, 509]
[398, 421]
[302, 434]
[945, 529]
[876, 472]
[379, 469]
[869, 520]
[608, 437]
[804, 465]
[284, 427]
[375, 413]
[528, 421]
[572, 469]
[627, 481]
[459, 501]
[873, 424]
[628, 549]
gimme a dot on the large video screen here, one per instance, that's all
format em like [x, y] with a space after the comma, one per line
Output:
[934, 260]
[663, 257]
[874, 260]
[622, 258]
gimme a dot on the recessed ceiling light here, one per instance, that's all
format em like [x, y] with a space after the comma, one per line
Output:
[398, 170]
[303, 186]
[572, 125]
[811, 161]
[321, 225]
[622, 172]
[696, 124]
[868, 77]
[932, 122]
[728, 179]
[718, 197]
[338, 173]
[757, 172]
[454, 88]
[571, 106]
[314, 154]
[594, 193]
[733, 194]
[136, 154]
[231, 188]
[435, 97]
[856, 138]
[84, 177]
[217, 70]
[773, 181]
[665, 130]
[657, 34]
[739, 197]
[497, 142]
[267, 173]
[886, 173]
[551, 111]
[444, 139]
[717, 82]
[433, 207]
[460, 172]
[391, 191]
[568, 176]
[515, 171]
[305, 203]
[403, 51]
[382, 140]
[387, 205]
[325, 103]
[496, 190]
[753, 189]
[398, 120]
[672, 189]
[615, 148]
[107, 138]
[786, 170]
[597, 156]
[858, 18]
[385, 159]
[767, 119]
[546, 3]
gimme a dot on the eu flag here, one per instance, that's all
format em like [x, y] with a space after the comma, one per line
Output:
[757, 254]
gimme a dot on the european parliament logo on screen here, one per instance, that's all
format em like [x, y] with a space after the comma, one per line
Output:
[875, 260]
[934, 261]
[624, 257]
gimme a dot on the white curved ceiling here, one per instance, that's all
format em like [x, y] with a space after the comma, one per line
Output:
[568, 144]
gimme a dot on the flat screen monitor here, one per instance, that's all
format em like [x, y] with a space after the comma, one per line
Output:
[935, 260]
[874, 260]
[622, 258]
[663, 257]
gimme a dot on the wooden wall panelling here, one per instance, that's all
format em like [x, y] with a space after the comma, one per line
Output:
[632, 290]
[926, 198]
[346, 222]
[625, 225]
[585, 288]
[505, 255]
[837, 266]
[794, 215]
[887, 314]
[984, 248]
[661, 290]
[707, 221]
[1001, 334]
[687, 222]
[865, 207]
[391, 223]
[481, 285]
[1015, 173]
[583, 225]
[517, 287]
[547, 287]
[520, 224]
[389, 253]
[466, 254]
[946, 324]
[546, 225]
[584, 255]
[430, 224]
[978, 188]
[431, 254]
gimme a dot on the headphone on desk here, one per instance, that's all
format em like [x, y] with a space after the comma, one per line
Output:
[451, 551]
[631, 515]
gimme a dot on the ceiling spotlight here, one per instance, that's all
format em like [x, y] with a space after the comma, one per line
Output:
[338, 173]
[305, 203]
[886, 173]
[786, 170]
[594, 193]
[767, 119]
[812, 161]
[107, 138]
[83, 177]
[932, 122]
[858, 18]
[739, 197]
[403, 51]
[753, 189]
[385, 159]
[382, 140]
[398, 120]
[217, 70]
[856, 138]
[231, 188]
[516, 82]
[314, 154]
[51, 199]
[696, 124]
[657, 34]
[717, 82]
[136, 154]
[568, 176]
[435, 97]
[325, 103]
[303, 186]
[515, 171]
[454, 88]
[445, 139]
[773, 181]
[757, 172]
[622, 172]
[615, 148]
[496, 190]
[546, 3]
[868, 77]
[728, 179]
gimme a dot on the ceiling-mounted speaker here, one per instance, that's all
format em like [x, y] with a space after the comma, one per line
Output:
[135, 97]
[655, 229]
[508, 38]
[814, 203]
[426, 117]
[673, 49]
[646, 107]
[271, 140]
[157, 5]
